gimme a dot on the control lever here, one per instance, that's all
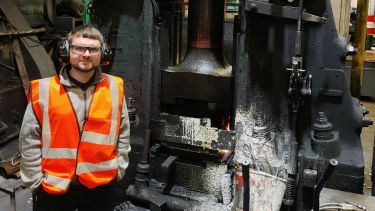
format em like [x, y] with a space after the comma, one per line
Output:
[323, 179]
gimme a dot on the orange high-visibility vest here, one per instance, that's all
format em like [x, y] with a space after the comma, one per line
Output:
[91, 155]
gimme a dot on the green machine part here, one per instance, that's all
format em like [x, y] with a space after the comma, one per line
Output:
[86, 14]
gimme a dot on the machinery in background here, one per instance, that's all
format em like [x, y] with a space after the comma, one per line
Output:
[29, 33]
[257, 101]
[58, 15]
[278, 114]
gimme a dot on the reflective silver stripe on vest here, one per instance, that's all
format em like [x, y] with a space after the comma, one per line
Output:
[58, 182]
[43, 102]
[84, 167]
[98, 138]
[110, 139]
[115, 104]
[63, 153]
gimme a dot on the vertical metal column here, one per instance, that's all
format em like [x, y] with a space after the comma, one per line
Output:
[206, 24]
[359, 43]
[176, 32]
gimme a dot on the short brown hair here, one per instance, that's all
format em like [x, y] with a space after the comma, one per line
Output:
[86, 31]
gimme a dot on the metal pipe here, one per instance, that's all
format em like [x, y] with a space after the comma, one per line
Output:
[143, 166]
[318, 187]
[298, 46]
[246, 187]
[146, 145]
[175, 33]
[359, 43]
[156, 71]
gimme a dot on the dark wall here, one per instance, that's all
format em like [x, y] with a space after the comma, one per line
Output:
[127, 26]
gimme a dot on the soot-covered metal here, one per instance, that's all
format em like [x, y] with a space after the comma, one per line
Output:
[282, 109]
[205, 135]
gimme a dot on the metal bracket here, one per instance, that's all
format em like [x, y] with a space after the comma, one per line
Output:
[158, 203]
[167, 170]
[10, 187]
[281, 11]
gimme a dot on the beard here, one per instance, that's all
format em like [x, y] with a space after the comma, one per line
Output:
[84, 69]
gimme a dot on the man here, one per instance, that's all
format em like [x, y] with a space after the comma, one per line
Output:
[74, 139]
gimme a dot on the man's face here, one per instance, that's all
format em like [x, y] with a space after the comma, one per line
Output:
[85, 54]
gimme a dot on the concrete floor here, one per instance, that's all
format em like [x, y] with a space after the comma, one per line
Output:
[367, 137]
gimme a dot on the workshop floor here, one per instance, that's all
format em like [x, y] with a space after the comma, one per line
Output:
[367, 137]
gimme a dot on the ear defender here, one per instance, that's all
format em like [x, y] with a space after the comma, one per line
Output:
[64, 54]
[63, 51]
[106, 55]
